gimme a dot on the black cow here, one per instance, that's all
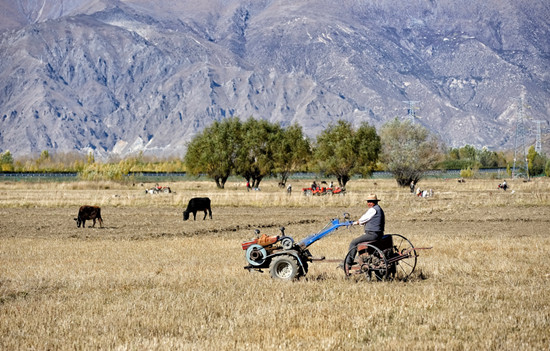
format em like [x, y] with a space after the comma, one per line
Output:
[197, 204]
[88, 212]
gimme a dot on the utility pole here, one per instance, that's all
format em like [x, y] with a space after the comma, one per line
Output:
[519, 144]
[411, 110]
[538, 141]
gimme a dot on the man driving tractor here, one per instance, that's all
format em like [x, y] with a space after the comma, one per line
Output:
[374, 222]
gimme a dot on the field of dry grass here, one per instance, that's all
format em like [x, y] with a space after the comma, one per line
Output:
[148, 280]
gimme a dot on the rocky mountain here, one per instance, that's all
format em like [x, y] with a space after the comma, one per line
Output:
[122, 76]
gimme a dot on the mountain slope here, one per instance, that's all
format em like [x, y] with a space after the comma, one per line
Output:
[128, 76]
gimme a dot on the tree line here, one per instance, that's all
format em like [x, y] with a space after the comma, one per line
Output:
[254, 149]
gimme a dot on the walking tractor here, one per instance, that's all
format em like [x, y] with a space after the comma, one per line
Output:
[391, 257]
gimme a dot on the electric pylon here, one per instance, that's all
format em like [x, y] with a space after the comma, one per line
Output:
[411, 110]
[519, 145]
[538, 140]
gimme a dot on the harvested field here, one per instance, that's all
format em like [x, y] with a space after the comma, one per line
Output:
[148, 280]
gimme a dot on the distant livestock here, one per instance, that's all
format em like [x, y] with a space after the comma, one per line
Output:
[158, 189]
[197, 204]
[88, 213]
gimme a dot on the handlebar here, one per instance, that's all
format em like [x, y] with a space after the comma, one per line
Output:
[334, 225]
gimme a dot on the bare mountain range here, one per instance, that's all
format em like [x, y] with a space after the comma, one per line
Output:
[122, 76]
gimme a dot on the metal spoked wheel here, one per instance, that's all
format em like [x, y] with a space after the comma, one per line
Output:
[369, 262]
[284, 267]
[404, 257]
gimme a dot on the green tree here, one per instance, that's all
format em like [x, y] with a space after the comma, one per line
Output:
[6, 161]
[341, 151]
[470, 157]
[90, 158]
[44, 155]
[255, 157]
[454, 154]
[536, 162]
[486, 158]
[291, 152]
[467, 152]
[214, 151]
[409, 150]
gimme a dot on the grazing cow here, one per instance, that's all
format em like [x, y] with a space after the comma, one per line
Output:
[197, 204]
[88, 213]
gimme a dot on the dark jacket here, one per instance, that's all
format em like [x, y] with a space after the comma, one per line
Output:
[378, 222]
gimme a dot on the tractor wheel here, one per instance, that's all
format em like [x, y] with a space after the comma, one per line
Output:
[284, 267]
[404, 256]
[370, 263]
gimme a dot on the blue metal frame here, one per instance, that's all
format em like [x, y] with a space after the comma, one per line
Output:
[335, 224]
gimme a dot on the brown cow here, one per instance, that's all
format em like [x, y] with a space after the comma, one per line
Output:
[88, 212]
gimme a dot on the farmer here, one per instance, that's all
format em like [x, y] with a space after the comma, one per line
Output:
[374, 222]
[503, 186]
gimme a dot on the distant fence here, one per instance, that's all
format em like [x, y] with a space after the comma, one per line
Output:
[453, 173]
[38, 175]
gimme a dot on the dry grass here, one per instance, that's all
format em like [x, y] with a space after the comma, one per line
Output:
[150, 281]
[448, 194]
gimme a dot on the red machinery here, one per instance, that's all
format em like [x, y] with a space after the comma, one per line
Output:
[323, 191]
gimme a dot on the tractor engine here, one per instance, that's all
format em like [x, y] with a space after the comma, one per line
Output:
[258, 250]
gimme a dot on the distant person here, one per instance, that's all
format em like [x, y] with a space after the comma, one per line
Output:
[289, 189]
[247, 185]
[412, 185]
[503, 185]
[374, 221]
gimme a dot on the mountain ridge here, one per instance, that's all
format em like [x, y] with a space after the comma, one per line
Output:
[128, 76]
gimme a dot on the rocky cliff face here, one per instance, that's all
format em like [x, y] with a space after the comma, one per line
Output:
[127, 76]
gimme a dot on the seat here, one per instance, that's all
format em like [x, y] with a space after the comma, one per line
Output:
[385, 242]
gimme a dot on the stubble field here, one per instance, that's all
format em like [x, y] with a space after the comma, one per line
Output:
[148, 280]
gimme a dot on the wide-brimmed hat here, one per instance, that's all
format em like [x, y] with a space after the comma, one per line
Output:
[372, 197]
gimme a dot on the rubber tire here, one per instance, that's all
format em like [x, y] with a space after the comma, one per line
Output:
[284, 267]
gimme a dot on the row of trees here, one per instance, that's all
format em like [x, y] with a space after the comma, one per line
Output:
[253, 150]
[257, 148]
[86, 165]
[470, 157]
